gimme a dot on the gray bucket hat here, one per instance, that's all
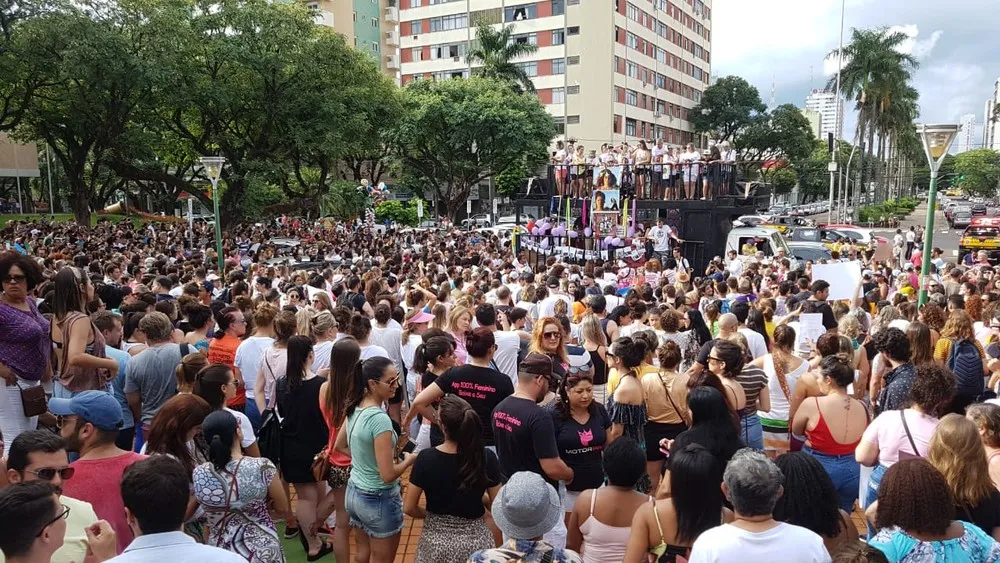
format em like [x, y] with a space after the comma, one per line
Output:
[527, 507]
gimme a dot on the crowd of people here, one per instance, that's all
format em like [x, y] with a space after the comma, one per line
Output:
[155, 407]
[658, 172]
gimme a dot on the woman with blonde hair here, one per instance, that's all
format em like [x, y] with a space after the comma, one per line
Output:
[323, 333]
[548, 338]
[302, 318]
[987, 419]
[440, 312]
[596, 343]
[460, 323]
[957, 452]
[321, 301]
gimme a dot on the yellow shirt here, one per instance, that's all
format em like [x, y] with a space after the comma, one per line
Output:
[74, 547]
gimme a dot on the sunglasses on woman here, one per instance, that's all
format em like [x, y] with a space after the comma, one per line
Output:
[552, 335]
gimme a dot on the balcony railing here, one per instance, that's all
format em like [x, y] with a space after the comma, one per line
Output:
[663, 182]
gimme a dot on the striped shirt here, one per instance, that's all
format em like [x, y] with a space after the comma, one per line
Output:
[752, 379]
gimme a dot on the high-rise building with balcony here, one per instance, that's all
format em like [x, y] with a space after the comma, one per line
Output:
[991, 120]
[831, 111]
[607, 70]
[966, 134]
[371, 26]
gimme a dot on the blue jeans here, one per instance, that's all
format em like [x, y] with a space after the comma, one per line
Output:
[751, 432]
[845, 472]
[871, 495]
[379, 514]
[253, 414]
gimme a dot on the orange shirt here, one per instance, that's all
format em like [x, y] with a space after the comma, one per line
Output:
[223, 351]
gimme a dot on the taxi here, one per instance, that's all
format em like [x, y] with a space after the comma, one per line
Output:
[982, 234]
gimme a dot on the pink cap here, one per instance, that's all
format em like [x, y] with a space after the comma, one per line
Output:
[421, 317]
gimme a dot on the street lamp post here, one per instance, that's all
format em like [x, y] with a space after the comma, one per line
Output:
[832, 165]
[937, 140]
[213, 167]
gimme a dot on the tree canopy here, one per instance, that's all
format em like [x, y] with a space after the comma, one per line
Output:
[726, 108]
[978, 172]
[456, 133]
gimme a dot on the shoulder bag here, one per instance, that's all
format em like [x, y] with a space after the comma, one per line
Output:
[907, 455]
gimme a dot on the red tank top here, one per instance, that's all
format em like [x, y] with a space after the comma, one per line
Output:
[821, 440]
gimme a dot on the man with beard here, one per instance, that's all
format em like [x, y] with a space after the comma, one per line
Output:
[89, 424]
[39, 455]
[525, 435]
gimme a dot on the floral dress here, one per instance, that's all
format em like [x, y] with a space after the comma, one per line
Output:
[235, 504]
[973, 547]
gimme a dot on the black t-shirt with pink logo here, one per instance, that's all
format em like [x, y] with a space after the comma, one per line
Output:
[524, 435]
[483, 388]
[581, 446]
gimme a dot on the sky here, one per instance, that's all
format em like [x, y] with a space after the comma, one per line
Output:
[788, 41]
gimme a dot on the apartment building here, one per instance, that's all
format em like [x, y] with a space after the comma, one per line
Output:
[991, 121]
[371, 26]
[607, 70]
[831, 111]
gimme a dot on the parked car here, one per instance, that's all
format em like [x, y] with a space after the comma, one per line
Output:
[978, 208]
[810, 251]
[479, 220]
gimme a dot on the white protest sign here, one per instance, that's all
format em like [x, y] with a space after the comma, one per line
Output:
[809, 330]
[843, 278]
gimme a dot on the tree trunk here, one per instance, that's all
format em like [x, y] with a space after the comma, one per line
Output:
[80, 202]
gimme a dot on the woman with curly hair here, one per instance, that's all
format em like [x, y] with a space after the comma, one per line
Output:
[810, 500]
[957, 452]
[934, 317]
[915, 519]
[895, 435]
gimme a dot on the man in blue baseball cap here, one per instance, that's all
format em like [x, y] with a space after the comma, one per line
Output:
[89, 423]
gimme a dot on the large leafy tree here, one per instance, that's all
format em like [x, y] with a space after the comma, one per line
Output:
[456, 133]
[495, 53]
[978, 172]
[775, 140]
[92, 76]
[726, 108]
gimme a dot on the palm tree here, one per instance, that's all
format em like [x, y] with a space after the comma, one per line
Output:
[873, 75]
[495, 52]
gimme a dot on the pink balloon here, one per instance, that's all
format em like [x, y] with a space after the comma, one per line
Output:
[545, 243]
[616, 241]
[588, 232]
[571, 234]
[536, 231]
[631, 231]
[608, 240]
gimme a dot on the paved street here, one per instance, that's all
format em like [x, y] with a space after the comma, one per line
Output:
[944, 238]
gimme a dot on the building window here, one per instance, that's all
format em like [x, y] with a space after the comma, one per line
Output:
[417, 27]
[632, 40]
[631, 98]
[631, 12]
[418, 53]
[558, 66]
[524, 39]
[661, 81]
[558, 37]
[520, 13]
[573, 120]
[632, 70]
[661, 55]
[375, 46]
[573, 30]
[448, 51]
[630, 127]
[615, 124]
[643, 101]
[530, 68]
[313, 6]
[574, 60]
[661, 29]
[375, 22]
[558, 95]
[560, 126]
[558, 7]
[491, 16]
[573, 90]
[446, 23]
[355, 17]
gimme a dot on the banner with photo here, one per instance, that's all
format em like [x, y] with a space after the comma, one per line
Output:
[606, 200]
[607, 177]
[608, 223]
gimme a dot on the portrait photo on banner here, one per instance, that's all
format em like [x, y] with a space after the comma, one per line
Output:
[607, 178]
[606, 200]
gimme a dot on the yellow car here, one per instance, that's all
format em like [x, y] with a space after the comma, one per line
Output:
[982, 234]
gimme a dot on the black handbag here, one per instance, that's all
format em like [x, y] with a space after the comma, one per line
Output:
[269, 436]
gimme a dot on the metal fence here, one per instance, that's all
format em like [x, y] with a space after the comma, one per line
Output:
[665, 182]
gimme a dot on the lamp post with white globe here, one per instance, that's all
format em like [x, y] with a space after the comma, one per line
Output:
[213, 168]
[937, 140]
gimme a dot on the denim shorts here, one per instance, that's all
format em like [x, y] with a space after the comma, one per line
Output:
[752, 432]
[379, 514]
[844, 471]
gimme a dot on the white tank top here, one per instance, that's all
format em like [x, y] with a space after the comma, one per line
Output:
[779, 404]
